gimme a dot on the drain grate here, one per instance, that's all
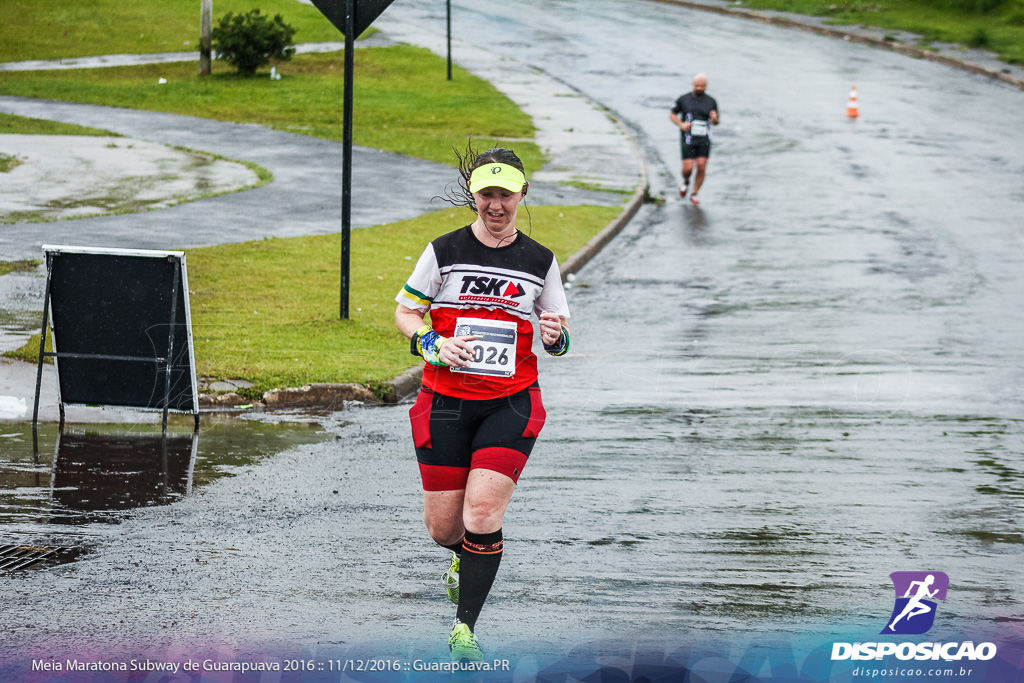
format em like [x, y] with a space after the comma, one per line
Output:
[14, 557]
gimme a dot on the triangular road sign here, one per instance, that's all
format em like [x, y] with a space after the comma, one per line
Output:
[366, 12]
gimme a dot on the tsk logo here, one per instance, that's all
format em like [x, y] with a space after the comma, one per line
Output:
[913, 612]
[491, 286]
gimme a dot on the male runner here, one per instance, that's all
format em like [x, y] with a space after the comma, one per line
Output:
[695, 113]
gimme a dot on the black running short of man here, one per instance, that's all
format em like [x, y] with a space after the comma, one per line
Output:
[454, 435]
[700, 149]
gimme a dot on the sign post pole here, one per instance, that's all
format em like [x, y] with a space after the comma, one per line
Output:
[351, 17]
[346, 164]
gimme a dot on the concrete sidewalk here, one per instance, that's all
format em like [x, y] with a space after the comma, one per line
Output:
[102, 61]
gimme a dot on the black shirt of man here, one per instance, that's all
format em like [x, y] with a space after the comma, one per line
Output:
[691, 107]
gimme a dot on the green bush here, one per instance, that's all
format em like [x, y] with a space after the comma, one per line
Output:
[249, 41]
[979, 38]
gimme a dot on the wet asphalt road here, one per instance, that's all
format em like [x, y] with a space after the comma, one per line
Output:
[772, 402]
[815, 379]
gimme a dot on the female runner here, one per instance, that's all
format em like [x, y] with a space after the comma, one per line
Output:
[479, 412]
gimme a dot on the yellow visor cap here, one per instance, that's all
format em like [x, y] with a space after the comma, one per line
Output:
[497, 175]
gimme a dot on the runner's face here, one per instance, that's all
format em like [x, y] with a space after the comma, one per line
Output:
[496, 207]
[699, 86]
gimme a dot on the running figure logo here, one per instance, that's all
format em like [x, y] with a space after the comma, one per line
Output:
[913, 613]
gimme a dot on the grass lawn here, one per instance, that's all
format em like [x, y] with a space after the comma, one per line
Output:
[22, 125]
[996, 25]
[267, 310]
[14, 266]
[55, 29]
[8, 163]
[402, 101]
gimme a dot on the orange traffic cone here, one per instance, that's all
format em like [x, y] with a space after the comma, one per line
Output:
[851, 106]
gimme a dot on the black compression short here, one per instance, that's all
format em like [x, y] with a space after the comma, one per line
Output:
[454, 435]
[696, 150]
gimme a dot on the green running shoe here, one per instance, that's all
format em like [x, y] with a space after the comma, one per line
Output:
[451, 579]
[462, 644]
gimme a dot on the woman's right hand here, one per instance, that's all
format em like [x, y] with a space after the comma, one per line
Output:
[457, 351]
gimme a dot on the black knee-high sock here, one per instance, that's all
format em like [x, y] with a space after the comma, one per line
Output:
[481, 555]
[454, 547]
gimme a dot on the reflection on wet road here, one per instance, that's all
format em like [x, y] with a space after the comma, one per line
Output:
[52, 489]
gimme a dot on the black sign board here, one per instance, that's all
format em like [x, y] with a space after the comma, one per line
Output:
[122, 329]
[366, 12]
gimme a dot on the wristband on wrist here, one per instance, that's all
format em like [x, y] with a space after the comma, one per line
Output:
[561, 346]
[414, 341]
[427, 343]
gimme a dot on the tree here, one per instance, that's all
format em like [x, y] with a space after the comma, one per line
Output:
[249, 41]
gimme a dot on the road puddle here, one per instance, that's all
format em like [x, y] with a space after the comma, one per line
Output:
[56, 486]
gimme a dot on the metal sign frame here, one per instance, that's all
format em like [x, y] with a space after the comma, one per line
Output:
[180, 282]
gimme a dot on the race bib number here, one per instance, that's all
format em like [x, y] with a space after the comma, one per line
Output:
[699, 129]
[494, 350]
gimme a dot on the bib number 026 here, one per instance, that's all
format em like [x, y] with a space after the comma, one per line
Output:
[490, 356]
[494, 349]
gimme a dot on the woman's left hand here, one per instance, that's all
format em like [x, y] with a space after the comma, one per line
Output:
[550, 328]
